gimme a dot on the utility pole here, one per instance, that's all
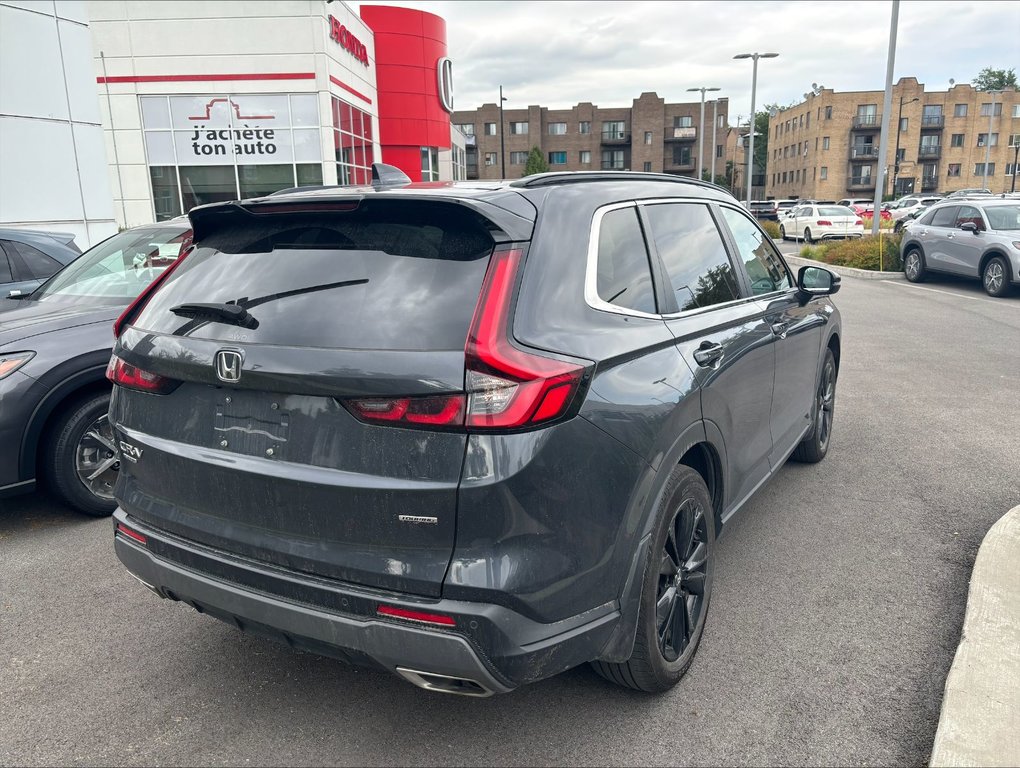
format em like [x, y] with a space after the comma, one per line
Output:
[751, 121]
[502, 140]
[701, 131]
[883, 141]
[715, 124]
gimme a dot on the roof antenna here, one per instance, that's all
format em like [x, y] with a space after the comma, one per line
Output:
[388, 176]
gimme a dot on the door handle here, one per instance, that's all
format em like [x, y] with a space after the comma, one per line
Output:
[780, 329]
[950, 235]
[708, 354]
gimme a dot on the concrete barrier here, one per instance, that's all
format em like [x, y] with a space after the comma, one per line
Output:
[980, 720]
[863, 274]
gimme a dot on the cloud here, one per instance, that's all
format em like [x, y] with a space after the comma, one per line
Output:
[557, 54]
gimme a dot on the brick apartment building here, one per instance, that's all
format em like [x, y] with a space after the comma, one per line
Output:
[826, 147]
[650, 135]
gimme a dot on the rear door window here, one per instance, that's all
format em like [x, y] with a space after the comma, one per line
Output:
[692, 252]
[969, 214]
[765, 268]
[624, 273]
[30, 262]
[389, 275]
[6, 276]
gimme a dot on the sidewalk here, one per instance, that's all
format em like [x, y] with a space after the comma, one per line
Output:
[980, 721]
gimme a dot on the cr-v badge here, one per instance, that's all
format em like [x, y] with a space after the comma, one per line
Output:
[228, 365]
[130, 452]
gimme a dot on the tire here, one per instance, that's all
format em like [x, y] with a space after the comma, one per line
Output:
[913, 265]
[661, 656]
[81, 437]
[807, 235]
[813, 448]
[782, 232]
[995, 277]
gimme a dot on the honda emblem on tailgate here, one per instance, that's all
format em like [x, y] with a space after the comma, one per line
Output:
[228, 365]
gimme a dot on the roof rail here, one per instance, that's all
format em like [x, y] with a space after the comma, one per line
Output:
[574, 177]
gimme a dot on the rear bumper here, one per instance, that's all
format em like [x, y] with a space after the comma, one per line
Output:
[492, 647]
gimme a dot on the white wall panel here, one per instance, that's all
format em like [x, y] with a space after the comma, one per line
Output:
[92, 170]
[72, 10]
[76, 50]
[40, 179]
[31, 79]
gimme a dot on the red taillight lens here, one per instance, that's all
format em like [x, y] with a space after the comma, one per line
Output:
[442, 411]
[135, 306]
[134, 535]
[439, 619]
[132, 377]
[823, 223]
[506, 386]
[858, 223]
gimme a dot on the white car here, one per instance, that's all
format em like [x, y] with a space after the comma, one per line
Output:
[908, 205]
[818, 222]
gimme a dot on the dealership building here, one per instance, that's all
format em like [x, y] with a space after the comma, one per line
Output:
[211, 100]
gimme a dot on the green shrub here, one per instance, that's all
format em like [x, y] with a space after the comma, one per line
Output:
[869, 252]
[815, 252]
[771, 229]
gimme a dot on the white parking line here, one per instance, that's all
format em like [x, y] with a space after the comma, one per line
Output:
[947, 293]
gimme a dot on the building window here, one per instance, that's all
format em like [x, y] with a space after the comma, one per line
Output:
[612, 160]
[828, 113]
[648, 137]
[648, 167]
[960, 110]
[1014, 139]
[557, 158]
[430, 164]
[900, 155]
[490, 129]
[1011, 170]
[490, 158]
[683, 121]
[468, 129]
[956, 140]
[1016, 110]
[518, 127]
[557, 129]
[614, 129]
[807, 120]
[518, 158]
[979, 169]
[954, 170]
[584, 156]
[825, 142]
[986, 109]
[584, 127]
[721, 121]
[796, 175]
[718, 150]
[983, 139]
[784, 177]
[823, 173]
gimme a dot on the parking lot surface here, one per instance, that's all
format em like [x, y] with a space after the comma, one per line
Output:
[839, 597]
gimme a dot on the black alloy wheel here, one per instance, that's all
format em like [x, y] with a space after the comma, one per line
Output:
[813, 448]
[680, 597]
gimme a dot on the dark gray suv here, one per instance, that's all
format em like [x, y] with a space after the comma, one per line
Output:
[475, 434]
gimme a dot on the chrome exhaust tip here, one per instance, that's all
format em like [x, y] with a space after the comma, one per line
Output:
[431, 681]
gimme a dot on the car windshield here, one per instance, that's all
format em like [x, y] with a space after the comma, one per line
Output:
[835, 210]
[118, 268]
[1003, 216]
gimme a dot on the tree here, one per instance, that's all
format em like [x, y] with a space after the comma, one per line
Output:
[989, 79]
[536, 163]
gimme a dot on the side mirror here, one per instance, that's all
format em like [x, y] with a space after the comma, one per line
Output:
[969, 226]
[817, 281]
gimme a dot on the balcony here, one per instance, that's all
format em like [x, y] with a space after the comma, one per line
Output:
[614, 165]
[933, 122]
[615, 137]
[929, 152]
[861, 182]
[864, 152]
[688, 133]
[682, 164]
[866, 123]
[929, 183]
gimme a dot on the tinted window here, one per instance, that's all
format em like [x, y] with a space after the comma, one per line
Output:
[31, 263]
[389, 275]
[835, 210]
[693, 254]
[999, 217]
[944, 217]
[764, 267]
[968, 213]
[624, 277]
[5, 268]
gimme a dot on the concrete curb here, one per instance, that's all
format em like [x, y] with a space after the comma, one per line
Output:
[863, 274]
[980, 720]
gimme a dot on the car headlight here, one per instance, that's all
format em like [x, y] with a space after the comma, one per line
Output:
[12, 361]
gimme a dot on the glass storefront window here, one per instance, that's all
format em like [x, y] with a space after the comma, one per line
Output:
[430, 164]
[201, 184]
[262, 180]
[352, 142]
[166, 197]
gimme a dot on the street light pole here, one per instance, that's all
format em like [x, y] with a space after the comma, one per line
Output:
[502, 140]
[715, 124]
[754, 87]
[701, 130]
[988, 142]
[896, 159]
[1016, 156]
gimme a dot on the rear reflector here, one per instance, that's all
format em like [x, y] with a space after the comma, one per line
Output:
[442, 411]
[425, 618]
[131, 377]
[135, 535]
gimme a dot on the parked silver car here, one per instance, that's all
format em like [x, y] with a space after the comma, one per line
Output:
[972, 238]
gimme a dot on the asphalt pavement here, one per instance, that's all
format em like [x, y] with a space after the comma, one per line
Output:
[839, 596]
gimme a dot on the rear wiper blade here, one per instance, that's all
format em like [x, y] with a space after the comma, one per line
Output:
[233, 314]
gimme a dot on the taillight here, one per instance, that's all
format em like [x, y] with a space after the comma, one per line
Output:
[507, 387]
[132, 377]
[823, 223]
[432, 411]
[440, 619]
[135, 306]
[858, 223]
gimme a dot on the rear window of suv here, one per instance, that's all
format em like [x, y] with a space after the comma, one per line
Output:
[388, 275]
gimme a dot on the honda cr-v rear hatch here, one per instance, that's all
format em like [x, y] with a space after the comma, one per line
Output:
[294, 392]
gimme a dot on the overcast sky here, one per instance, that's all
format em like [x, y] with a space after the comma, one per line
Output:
[559, 53]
